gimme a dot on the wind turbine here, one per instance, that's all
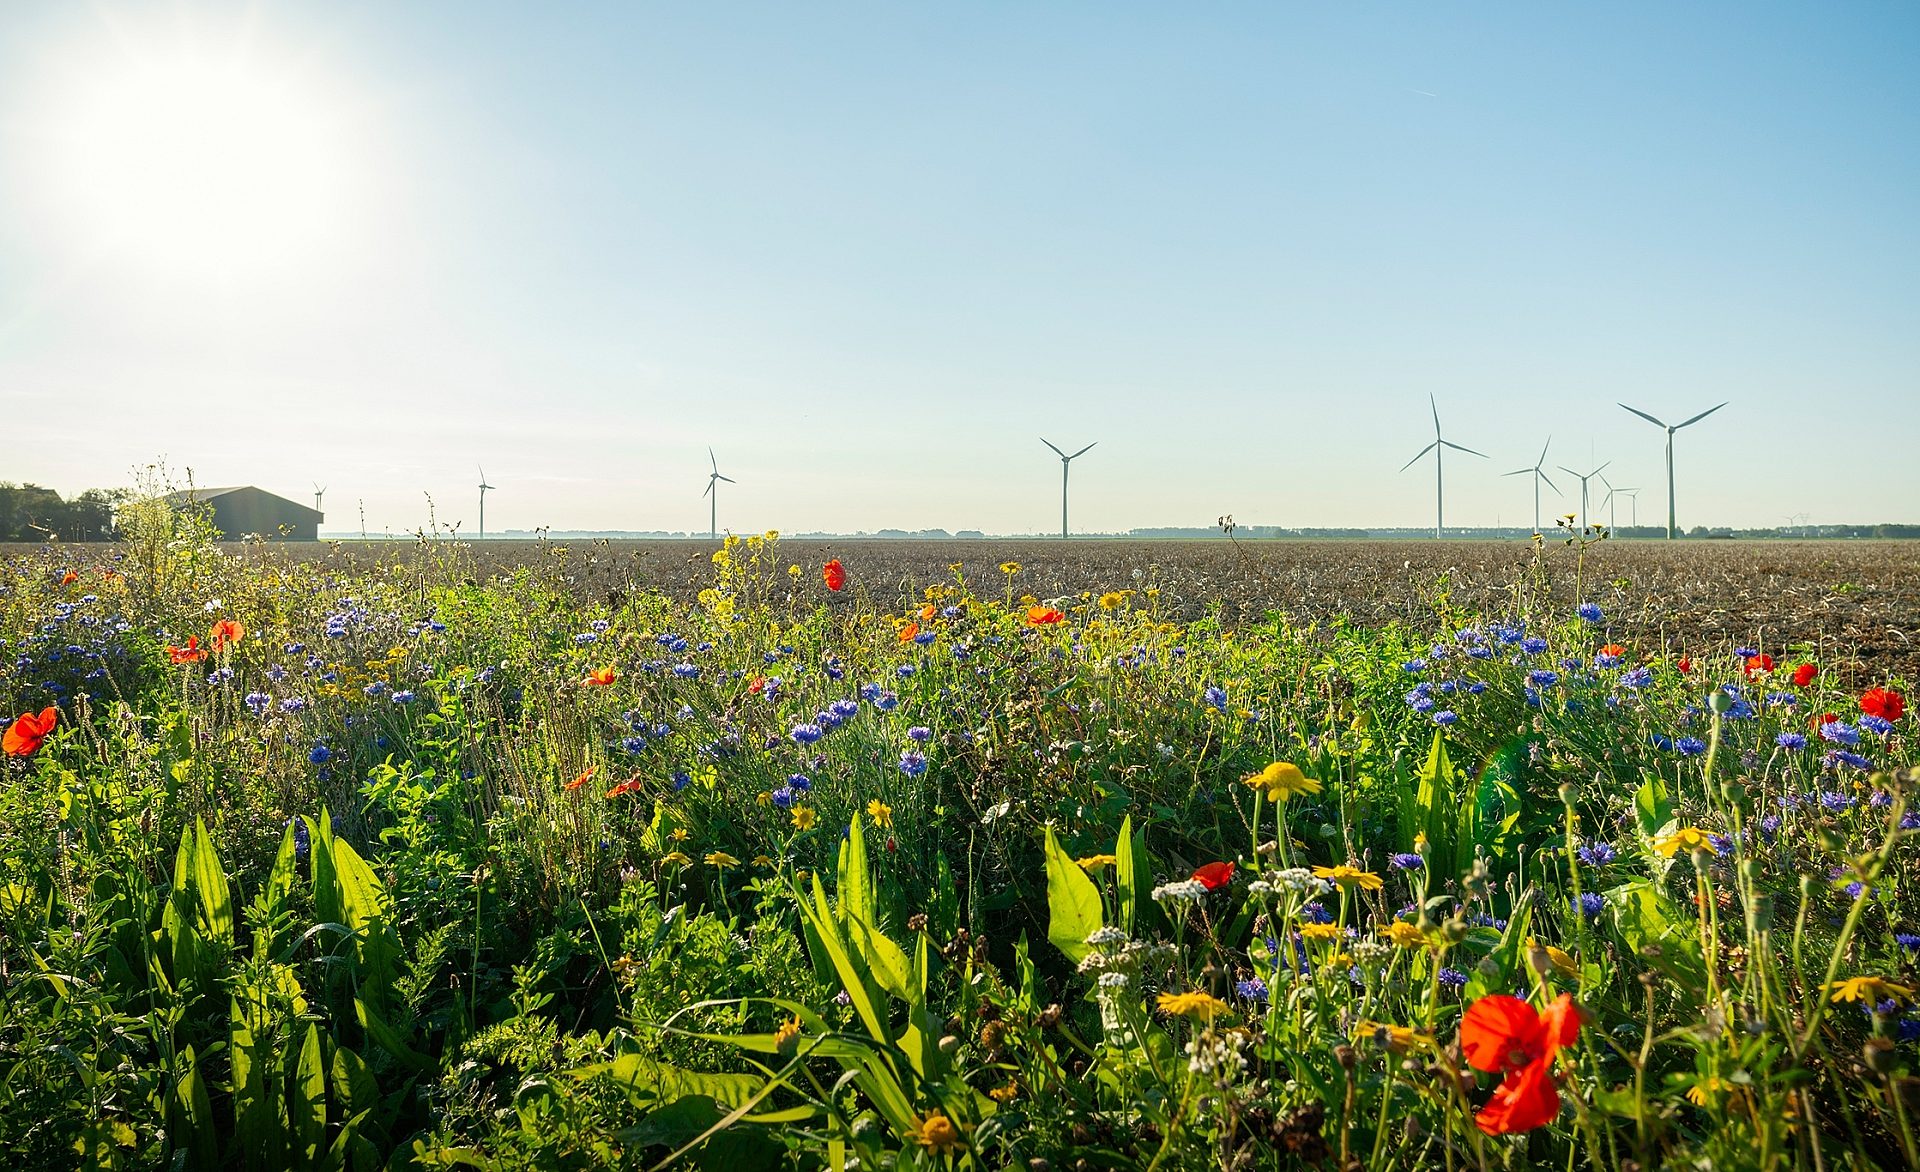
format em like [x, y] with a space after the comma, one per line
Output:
[1066, 462]
[1606, 502]
[320, 490]
[1439, 484]
[484, 486]
[1583, 487]
[1671, 524]
[713, 506]
[1538, 476]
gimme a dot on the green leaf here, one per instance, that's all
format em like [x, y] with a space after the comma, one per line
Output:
[1133, 872]
[855, 880]
[309, 1102]
[210, 885]
[1651, 808]
[1073, 903]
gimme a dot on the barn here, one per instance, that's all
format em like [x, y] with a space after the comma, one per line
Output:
[245, 510]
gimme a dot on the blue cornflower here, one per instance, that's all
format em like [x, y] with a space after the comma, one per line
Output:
[1839, 757]
[1836, 801]
[1744, 653]
[1215, 697]
[1606, 660]
[404, 697]
[924, 638]
[920, 732]
[319, 754]
[585, 637]
[1770, 825]
[1479, 652]
[844, 709]
[1419, 702]
[599, 625]
[1447, 687]
[1406, 862]
[301, 842]
[1690, 746]
[904, 670]
[293, 704]
[913, 763]
[1840, 733]
[783, 797]
[1879, 726]
[1446, 717]
[1475, 687]
[689, 671]
[1636, 678]
[1542, 678]
[1252, 989]
[633, 744]
[886, 702]
[1533, 644]
[259, 702]
[800, 782]
[1414, 667]
[1509, 635]
[376, 688]
[1597, 854]
[1591, 612]
[1439, 651]
[1532, 696]
[1907, 940]
[1791, 740]
[1590, 904]
[806, 734]
[682, 780]
[1313, 913]
[1451, 978]
[826, 720]
[276, 673]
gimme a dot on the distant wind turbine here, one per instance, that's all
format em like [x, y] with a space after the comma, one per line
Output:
[713, 506]
[1583, 488]
[1439, 484]
[1066, 462]
[1672, 525]
[484, 486]
[320, 490]
[1538, 476]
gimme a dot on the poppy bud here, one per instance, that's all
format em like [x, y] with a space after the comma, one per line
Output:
[1720, 702]
[1568, 792]
[949, 1045]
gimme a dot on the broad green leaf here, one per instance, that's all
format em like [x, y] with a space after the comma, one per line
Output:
[210, 885]
[1133, 872]
[1073, 903]
[309, 1102]
[855, 881]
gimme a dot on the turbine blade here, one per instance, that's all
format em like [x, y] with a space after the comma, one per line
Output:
[1056, 451]
[1596, 471]
[1699, 417]
[1572, 473]
[1468, 451]
[1084, 451]
[1436, 415]
[1549, 480]
[709, 487]
[1416, 459]
[1543, 452]
[1643, 415]
[729, 480]
[712, 461]
[1518, 472]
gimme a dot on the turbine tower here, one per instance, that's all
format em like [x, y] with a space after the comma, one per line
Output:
[1671, 523]
[1437, 447]
[1066, 462]
[1538, 476]
[1583, 487]
[713, 506]
[320, 490]
[484, 486]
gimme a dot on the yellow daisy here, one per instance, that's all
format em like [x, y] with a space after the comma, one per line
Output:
[1282, 780]
[1094, 864]
[803, 817]
[722, 860]
[1192, 1004]
[1404, 934]
[881, 813]
[1688, 839]
[1346, 876]
[1869, 990]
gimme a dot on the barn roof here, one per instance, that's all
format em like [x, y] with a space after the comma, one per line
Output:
[208, 495]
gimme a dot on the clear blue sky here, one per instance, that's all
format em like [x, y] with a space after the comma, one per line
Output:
[870, 252]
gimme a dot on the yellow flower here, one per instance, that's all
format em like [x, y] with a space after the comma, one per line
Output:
[762, 861]
[1283, 779]
[765, 798]
[1347, 876]
[1320, 932]
[1396, 1038]
[1870, 990]
[1005, 1094]
[1192, 1004]
[1404, 934]
[936, 1133]
[786, 1039]
[680, 834]
[1112, 600]
[881, 813]
[803, 817]
[1687, 838]
[1009, 568]
[1707, 1091]
[1094, 864]
[1563, 962]
[677, 858]
[722, 860]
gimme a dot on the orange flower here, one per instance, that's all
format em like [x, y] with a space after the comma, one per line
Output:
[28, 730]
[600, 677]
[191, 653]
[1041, 616]
[1214, 876]
[1504, 1034]
[908, 632]
[626, 787]
[1615, 650]
[226, 632]
[835, 574]
[581, 780]
[69, 578]
[756, 685]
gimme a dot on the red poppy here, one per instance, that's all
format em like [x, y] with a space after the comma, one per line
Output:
[1685, 665]
[191, 653]
[1803, 675]
[1041, 616]
[1214, 876]
[1757, 663]
[28, 730]
[1884, 703]
[625, 787]
[756, 685]
[1502, 1034]
[226, 632]
[69, 578]
[908, 632]
[835, 574]
[1613, 649]
[927, 612]
[600, 677]
[581, 780]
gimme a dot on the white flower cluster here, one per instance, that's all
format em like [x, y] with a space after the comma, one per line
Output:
[1299, 881]
[1114, 980]
[1107, 937]
[1216, 1054]
[1371, 952]
[1185, 891]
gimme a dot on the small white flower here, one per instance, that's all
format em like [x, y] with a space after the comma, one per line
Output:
[1185, 889]
[1105, 936]
[213, 604]
[1113, 980]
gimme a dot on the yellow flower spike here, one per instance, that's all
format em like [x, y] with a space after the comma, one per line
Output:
[1193, 1003]
[1688, 839]
[786, 1039]
[1282, 780]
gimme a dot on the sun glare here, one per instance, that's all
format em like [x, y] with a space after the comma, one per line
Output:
[200, 163]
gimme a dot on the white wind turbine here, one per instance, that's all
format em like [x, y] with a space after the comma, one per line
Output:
[484, 486]
[1538, 476]
[1671, 428]
[1437, 447]
[1066, 462]
[320, 490]
[713, 505]
[1583, 488]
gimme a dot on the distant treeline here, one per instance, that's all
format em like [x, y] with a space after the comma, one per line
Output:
[29, 512]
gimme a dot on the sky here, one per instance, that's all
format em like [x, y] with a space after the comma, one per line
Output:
[871, 253]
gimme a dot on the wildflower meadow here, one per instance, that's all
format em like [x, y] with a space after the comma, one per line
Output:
[424, 864]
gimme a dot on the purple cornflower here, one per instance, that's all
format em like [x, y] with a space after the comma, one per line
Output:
[259, 702]
[913, 763]
[1406, 862]
[806, 734]
[1533, 644]
[1590, 904]
[1839, 732]
[1690, 746]
[1597, 854]
[1446, 717]
[1791, 740]
[1451, 978]
[1591, 612]
[1542, 678]
[920, 732]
